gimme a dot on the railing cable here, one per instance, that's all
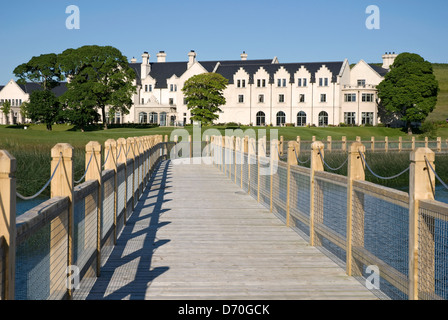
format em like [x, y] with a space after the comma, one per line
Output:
[85, 173]
[297, 157]
[329, 167]
[378, 176]
[44, 187]
[436, 175]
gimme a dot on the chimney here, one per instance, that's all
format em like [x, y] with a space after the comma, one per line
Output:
[133, 60]
[388, 59]
[161, 56]
[191, 58]
[146, 67]
[244, 56]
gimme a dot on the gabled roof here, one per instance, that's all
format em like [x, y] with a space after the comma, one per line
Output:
[164, 70]
[29, 87]
[380, 70]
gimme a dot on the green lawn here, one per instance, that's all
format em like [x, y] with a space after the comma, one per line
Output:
[440, 113]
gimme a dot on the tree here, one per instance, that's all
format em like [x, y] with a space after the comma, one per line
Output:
[409, 91]
[204, 94]
[6, 109]
[101, 76]
[43, 105]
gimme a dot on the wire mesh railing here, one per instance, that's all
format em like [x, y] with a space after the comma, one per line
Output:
[359, 223]
[67, 238]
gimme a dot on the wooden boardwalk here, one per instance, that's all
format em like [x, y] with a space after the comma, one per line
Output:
[195, 235]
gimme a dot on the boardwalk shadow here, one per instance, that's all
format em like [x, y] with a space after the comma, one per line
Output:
[135, 272]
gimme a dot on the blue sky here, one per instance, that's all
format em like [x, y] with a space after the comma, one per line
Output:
[292, 30]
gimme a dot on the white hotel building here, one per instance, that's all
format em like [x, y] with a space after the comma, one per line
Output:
[260, 92]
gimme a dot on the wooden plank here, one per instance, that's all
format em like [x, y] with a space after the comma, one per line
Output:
[194, 235]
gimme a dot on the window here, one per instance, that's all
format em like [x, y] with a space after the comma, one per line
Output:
[261, 98]
[153, 117]
[142, 117]
[350, 118]
[118, 117]
[301, 119]
[323, 119]
[367, 97]
[281, 98]
[171, 101]
[350, 97]
[162, 119]
[261, 83]
[367, 118]
[146, 88]
[281, 118]
[172, 87]
[258, 83]
[323, 82]
[301, 82]
[240, 98]
[260, 118]
[281, 82]
[150, 88]
[361, 82]
[323, 97]
[238, 83]
[185, 101]
[241, 83]
[301, 98]
[143, 100]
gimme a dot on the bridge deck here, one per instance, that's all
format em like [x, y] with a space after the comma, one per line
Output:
[195, 235]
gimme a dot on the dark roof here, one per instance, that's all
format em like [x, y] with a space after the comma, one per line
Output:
[1, 87]
[161, 71]
[380, 70]
[227, 71]
[30, 87]
[164, 70]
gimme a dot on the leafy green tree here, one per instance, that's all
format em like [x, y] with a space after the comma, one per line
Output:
[43, 70]
[204, 95]
[6, 109]
[409, 91]
[100, 77]
[43, 105]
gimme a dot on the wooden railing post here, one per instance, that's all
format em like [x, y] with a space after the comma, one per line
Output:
[62, 185]
[110, 148]
[413, 143]
[8, 165]
[292, 160]
[386, 144]
[372, 144]
[273, 163]
[329, 138]
[355, 207]
[131, 155]
[251, 157]
[94, 172]
[298, 140]
[237, 149]
[439, 144]
[421, 231]
[317, 149]
[400, 144]
[122, 148]
[344, 143]
[281, 145]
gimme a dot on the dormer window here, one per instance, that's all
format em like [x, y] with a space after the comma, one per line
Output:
[361, 82]
[323, 82]
[281, 82]
[173, 87]
[301, 82]
[241, 83]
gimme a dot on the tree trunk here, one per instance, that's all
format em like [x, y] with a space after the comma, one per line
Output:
[103, 114]
[409, 127]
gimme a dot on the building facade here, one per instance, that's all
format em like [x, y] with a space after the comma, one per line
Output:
[260, 92]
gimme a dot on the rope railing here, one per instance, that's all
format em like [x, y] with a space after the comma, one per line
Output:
[328, 166]
[298, 160]
[107, 157]
[378, 176]
[435, 174]
[44, 187]
[85, 173]
[119, 152]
